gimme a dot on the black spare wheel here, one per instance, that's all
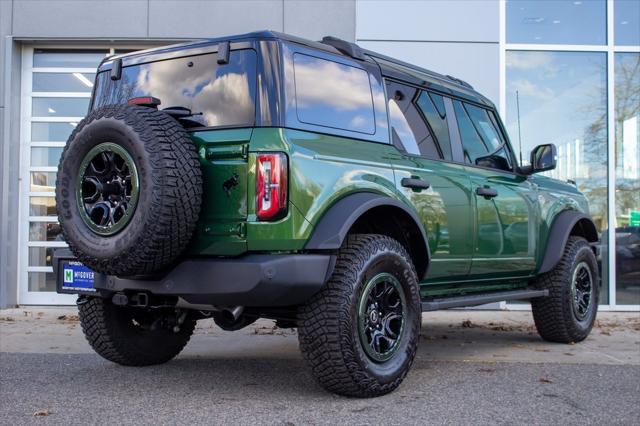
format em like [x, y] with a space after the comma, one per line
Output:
[128, 190]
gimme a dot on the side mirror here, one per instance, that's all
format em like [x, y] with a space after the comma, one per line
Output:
[543, 158]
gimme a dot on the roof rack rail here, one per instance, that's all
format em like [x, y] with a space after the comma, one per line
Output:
[456, 79]
[348, 48]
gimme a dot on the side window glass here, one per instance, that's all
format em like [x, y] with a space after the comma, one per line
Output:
[482, 143]
[401, 132]
[484, 126]
[432, 106]
[409, 128]
[331, 94]
[472, 144]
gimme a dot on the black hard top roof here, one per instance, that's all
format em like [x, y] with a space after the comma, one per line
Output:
[329, 44]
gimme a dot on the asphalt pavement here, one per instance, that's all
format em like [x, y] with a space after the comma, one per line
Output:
[472, 367]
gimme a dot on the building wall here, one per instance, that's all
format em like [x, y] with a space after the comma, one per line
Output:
[460, 38]
[173, 19]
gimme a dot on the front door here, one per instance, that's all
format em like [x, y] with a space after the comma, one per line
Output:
[505, 225]
[505, 215]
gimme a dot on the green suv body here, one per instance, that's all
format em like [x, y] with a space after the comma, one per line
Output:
[311, 166]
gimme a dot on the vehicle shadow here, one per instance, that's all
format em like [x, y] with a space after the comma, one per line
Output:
[273, 364]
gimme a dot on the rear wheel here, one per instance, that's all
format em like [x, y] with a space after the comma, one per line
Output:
[134, 336]
[567, 315]
[360, 333]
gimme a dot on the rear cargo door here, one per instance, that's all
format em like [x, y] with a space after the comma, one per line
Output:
[221, 99]
[223, 158]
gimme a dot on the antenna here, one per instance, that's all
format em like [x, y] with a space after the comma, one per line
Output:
[519, 136]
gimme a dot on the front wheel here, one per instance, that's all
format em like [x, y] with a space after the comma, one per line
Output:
[567, 315]
[134, 336]
[360, 333]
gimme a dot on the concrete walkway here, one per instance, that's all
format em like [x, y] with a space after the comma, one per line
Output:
[480, 367]
[455, 335]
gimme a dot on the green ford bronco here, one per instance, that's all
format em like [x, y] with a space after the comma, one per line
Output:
[318, 184]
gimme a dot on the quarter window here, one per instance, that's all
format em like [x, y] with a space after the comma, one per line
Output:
[331, 94]
[482, 142]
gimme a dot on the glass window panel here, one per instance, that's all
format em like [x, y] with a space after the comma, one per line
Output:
[401, 132]
[557, 22]
[626, 14]
[51, 132]
[218, 95]
[432, 106]
[472, 144]
[40, 256]
[45, 157]
[43, 181]
[409, 108]
[44, 231]
[62, 82]
[627, 113]
[68, 58]
[484, 126]
[59, 107]
[42, 281]
[42, 206]
[563, 100]
[333, 95]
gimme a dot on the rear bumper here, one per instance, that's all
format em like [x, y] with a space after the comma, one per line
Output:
[250, 280]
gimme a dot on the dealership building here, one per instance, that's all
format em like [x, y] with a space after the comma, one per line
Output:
[564, 72]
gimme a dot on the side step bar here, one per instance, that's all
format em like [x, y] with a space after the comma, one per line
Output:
[480, 299]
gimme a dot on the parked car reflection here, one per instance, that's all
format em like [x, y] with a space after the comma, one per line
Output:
[628, 265]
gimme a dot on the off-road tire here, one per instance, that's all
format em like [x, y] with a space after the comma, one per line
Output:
[554, 315]
[112, 333]
[170, 190]
[328, 323]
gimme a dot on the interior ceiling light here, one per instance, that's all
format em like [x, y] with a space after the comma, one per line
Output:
[83, 79]
[51, 111]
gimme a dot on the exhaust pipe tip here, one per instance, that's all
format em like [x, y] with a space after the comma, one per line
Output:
[232, 314]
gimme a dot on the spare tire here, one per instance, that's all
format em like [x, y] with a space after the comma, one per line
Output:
[128, 190]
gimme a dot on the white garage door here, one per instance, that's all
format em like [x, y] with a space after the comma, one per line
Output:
[56, 88]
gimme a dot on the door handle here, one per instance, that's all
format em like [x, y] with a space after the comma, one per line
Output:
[415, 183]
[486, 192]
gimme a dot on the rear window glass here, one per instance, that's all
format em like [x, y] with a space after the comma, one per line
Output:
[218, 95]
[334, 95]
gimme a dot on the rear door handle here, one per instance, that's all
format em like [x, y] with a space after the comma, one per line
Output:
[415, 183]
[486, 192]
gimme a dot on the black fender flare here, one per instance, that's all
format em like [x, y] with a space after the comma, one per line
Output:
[334, 225]
[559, 233]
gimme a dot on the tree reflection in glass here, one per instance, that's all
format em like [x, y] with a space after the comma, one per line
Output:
[563, 100]
[627, 220]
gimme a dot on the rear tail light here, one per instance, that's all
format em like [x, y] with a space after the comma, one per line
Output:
[271, 186]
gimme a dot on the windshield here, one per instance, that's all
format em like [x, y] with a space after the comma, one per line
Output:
[217, 95]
